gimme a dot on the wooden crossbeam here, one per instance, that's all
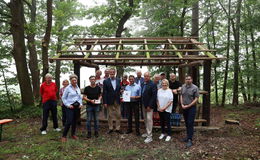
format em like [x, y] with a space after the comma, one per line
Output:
[91, 49]
[146, 48]
[174, 47]
[202, 48]
[119, 48]
[143, 50]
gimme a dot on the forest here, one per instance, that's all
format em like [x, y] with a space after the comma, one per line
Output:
[32, 31]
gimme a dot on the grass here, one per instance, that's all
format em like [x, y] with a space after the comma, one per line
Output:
[22, 140]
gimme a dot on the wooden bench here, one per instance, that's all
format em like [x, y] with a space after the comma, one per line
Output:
[2, 122]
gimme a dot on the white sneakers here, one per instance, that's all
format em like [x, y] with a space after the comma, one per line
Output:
[144, 135]
[162, 136]
[148, 140]
[167, 139]
[57, 129]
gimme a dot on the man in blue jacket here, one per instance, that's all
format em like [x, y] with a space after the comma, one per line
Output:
[111, 100]
[149, 94]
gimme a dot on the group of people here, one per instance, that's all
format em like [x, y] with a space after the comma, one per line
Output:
[146, 97]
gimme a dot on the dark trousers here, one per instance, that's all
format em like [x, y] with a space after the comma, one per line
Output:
[133, 107]
[124, 113]
[71, 120]
[174, 107]
[189, 116]
[48, 106]
[92, 113]
[63, 107]
[165, 119]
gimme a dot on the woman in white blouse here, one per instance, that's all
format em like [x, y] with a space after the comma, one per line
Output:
[164, 107]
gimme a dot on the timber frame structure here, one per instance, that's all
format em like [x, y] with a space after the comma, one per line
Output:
[182, 52]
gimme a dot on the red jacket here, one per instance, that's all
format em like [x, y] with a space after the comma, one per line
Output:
[48, 92]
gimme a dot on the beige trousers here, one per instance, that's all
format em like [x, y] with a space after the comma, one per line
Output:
[148, 120]
[114, 113]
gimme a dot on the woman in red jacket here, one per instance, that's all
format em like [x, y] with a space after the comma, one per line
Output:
[48, 92]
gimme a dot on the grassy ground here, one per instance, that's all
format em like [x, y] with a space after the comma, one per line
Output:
[22, 140]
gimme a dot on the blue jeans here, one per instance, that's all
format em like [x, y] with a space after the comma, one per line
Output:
[189, 116]
[92, 113]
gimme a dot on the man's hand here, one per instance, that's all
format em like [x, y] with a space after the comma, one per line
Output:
[148, 109]
[92, 101]
[71, 107]
[105, 105]
[184, 106]
[81, 106]
[174, 91]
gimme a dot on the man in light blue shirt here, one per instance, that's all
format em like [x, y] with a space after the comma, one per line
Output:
[133, 105]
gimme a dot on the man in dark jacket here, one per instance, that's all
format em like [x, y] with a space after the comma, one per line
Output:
[149, 94]
[111, 100]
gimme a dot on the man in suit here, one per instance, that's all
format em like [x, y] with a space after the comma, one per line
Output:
[149, 95]
[111, 100]
[139, 79]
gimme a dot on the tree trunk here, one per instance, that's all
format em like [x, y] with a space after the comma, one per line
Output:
[121, 29]
[58, 64]
[236, 34]
[33, 59]
[182, 24]
[7, 91]
[46, 40]
[17, 30]
[248, 82]
[195, 32]
[227, 61]
[242, 86]
[252, 35]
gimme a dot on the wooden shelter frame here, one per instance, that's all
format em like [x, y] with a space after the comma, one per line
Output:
[181, 52]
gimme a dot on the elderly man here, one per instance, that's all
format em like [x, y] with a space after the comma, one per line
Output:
[157, 81]
[175, 86]
[149, 95]
[139, 79]
[106, 74]
[189, 98]
[111, 100]
[133, 105]
[48, 92]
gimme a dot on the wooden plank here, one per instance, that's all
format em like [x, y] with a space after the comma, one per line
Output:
[130, 43]
[4, 121]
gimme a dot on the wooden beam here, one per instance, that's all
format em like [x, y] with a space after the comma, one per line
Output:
[146, 48]
[206, 87]
[174, 47]
[203, 48]
[194, 63]
[119, 48]
[91, 49]
[143, 50]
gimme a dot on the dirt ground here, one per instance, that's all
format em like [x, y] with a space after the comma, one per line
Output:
[22, 140]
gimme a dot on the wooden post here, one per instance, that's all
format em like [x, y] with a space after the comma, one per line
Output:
[77, 70]
[181, 74]
[206, 87]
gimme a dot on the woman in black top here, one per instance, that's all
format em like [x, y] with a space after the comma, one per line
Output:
[92, 94]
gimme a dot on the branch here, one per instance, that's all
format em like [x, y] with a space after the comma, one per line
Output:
[6, 33]
[28, 4]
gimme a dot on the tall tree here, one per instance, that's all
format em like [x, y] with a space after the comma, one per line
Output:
[46, 39]
[33, 59]
[227, 55]
[236, 33]
[19, 54]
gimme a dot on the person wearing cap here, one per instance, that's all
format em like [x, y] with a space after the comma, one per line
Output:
[48, 92]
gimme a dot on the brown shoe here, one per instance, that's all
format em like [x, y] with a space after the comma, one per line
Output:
[74, 137]
[63, 139]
